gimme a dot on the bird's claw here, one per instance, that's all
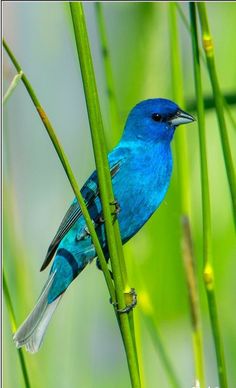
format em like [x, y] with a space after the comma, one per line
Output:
[131, 295]
[117, 207]
[116, 211]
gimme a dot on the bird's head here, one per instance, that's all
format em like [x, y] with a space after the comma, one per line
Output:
[155, 120]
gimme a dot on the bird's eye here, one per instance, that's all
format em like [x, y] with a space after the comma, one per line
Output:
[156, 117]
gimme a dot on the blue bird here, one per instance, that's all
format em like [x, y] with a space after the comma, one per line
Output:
[141, 166]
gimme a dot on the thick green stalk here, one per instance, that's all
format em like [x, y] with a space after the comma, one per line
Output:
[113, 106]
[64, 160]
[206, 212]
[13, 327]
[183, 173]
[114, 116]
[219, 103]
[114, 119]
[104, 178]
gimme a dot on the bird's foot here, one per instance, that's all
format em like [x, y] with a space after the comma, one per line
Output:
[100, 220]
[131, 299]
[117, 207]
[99, 267]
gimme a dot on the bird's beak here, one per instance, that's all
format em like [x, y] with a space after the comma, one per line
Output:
[181, 117]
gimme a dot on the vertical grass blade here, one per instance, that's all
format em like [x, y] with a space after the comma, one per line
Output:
[148, 313]
[183, 180]
[113, 105]
[201, 54]
[206, 212]
[13, 327]
[104, 178]
[114, 119]
[180, 136]
[191, 278]
[219, 103]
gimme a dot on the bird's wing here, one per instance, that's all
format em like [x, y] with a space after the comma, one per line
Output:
[89, 192]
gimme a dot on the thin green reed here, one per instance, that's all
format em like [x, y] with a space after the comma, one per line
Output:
[193, 292]
[8, 300]
[12, 318]
[209, 102]
[112, 100]
[208, 46]
[208, 272]
[183, 181]
[105, 184]
[180, 136]
[150, 319]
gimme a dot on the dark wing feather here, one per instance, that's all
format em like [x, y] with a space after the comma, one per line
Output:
[89, 191]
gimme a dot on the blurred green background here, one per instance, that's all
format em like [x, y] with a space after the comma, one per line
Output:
[82, 347]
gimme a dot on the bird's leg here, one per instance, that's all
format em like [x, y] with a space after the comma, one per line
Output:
[117, 207]
[131, 297]
[116, 211]
[100, 268]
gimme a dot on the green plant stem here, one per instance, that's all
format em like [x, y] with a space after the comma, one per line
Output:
[208, 101]
[219, 103]
[180, 136]
[104, 178]
[64, 160]
[191, 278]
[183, 175]
[230, 115]
[113, 105]
[114, 118]
[12, 86]
[148, 314]
[13, 327]
[206, 212]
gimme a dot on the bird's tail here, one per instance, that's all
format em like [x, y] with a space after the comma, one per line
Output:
[30, 334]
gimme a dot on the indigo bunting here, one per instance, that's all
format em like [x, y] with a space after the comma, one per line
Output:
[140, 166]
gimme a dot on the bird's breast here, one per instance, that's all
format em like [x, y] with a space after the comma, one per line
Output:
[140, 187]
